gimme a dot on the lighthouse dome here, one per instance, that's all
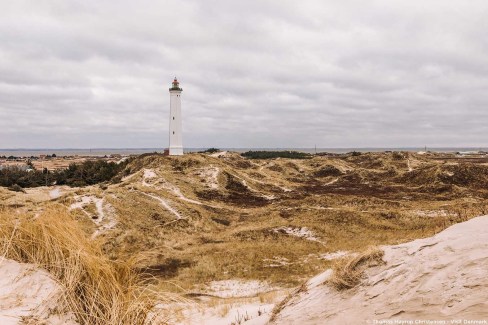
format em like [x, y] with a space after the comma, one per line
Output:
[175, 85]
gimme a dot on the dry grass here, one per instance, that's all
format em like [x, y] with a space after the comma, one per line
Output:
[96, 290]
[348, 272]
[279, 306]
[376, 201]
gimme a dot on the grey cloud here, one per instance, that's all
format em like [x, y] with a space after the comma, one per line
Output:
[254, 73]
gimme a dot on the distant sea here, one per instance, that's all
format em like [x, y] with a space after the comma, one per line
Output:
[137, 151]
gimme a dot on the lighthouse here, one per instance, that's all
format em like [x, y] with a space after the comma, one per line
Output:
[175, 139]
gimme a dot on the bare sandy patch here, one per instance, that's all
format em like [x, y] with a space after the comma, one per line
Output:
[237, 288]
[55, 193]
[165, 205]
[301, 232]
[210, 176]
[105, 218]
[28, 293]
[440, 277]
[150, 175]
[333, 256]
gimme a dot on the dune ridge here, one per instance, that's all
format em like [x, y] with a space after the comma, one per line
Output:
[437, 278]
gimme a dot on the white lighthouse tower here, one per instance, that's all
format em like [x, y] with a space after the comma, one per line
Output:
[175, 139]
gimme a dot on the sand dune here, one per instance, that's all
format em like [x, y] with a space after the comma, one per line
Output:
[28, 295]
[438, 278]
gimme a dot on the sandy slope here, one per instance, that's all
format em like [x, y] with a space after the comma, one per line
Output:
[441, 277]
[28, 295]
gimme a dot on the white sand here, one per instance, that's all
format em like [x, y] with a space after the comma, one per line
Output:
[333, 256]
[219, 154]
[55, 193]
[28, 293]
[244, 182]
[238, 303]
[165, 204]
[332, 181]
[301, 232]
[244, 314]
[277, 261]
[177, 192]
[149, 174]
[104, 221]
[268, 182]
[82, 201]
[121, 160]
[441, 277]
[433, 213]
[409, 166]
[237, 288]
[210, 176]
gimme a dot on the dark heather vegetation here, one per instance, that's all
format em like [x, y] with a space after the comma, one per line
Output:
[275, 154]
[328, 170]
[21, 158]
[211, 150]
[87, 173]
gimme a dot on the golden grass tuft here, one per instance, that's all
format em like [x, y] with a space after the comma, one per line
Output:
[348, 271]
[96, 289]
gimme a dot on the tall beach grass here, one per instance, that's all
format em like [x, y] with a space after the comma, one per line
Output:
[96, 289]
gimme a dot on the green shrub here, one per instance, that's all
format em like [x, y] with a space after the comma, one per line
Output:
[276, 154]
[211, 150]
[87, 173]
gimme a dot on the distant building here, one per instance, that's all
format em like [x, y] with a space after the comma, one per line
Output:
[175, 130]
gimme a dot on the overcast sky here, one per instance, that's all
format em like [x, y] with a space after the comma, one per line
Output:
[377, 73]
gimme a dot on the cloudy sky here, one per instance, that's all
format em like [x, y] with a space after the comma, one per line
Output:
[344, 73]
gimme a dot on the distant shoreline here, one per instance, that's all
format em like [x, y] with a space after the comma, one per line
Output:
[27, 152]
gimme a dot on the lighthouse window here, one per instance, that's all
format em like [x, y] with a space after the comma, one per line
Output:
[173, 132]
[173, 117]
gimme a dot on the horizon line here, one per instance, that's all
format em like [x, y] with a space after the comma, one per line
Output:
[284, 148]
